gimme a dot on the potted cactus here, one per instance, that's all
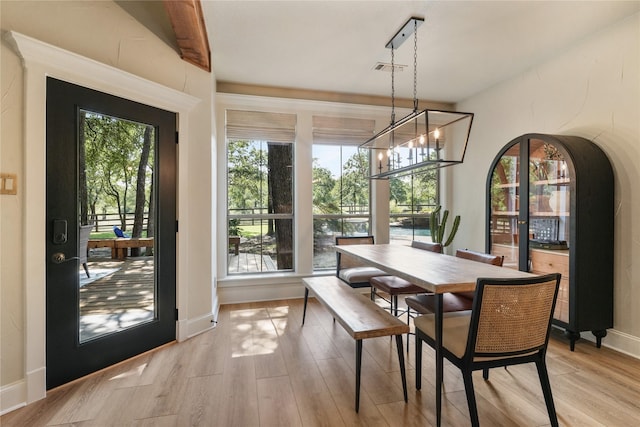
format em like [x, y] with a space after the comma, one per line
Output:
[438, 228]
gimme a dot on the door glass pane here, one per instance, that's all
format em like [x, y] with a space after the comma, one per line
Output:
[505, 203]
[116, 236]
[548, 197]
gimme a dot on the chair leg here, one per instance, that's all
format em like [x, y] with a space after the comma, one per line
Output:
[546, 390]
[86, 269]
[485, 373]
[304, 310]
[471, 397]
[394, 305]
[408, 324]
[418, 362]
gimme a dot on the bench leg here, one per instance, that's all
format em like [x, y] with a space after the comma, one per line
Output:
[358, 370]
[401, 360]
[306, 297]
[418, 362]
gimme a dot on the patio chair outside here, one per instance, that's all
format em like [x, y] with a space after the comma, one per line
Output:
[83, 241]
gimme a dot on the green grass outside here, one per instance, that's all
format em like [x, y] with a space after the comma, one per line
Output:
[251, 230]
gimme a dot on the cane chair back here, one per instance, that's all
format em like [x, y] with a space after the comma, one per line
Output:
[509, 324]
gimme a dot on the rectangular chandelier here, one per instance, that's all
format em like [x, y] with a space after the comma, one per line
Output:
[421, 141]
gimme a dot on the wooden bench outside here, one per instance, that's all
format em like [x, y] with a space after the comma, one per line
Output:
[120, 245]
[101, 243]
[123, 243]
[359, 316]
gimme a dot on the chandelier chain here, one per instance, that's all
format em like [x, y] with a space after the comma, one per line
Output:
[393, 88]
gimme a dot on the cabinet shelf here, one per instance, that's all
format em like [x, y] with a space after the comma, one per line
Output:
[531, 214]
[558, 181]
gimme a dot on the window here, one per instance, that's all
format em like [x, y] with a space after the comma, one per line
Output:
[411, 200]
[340, 184]
[260, 191]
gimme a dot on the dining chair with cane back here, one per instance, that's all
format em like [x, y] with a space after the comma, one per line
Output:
[509, 324]
[457, 301]
[353, 272]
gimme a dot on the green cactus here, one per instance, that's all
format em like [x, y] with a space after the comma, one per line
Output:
[437, 228]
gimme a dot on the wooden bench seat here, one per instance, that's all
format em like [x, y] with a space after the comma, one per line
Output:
[122, 244]
[101, 243]
[119, 246]
[359, 316]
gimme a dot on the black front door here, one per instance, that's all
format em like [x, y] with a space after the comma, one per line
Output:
[111, 171]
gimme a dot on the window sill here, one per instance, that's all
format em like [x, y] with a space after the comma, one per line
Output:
[257, 279]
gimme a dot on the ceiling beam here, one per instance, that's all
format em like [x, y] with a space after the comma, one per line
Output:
[188, 24]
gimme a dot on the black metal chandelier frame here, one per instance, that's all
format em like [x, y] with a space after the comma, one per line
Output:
[429, 138]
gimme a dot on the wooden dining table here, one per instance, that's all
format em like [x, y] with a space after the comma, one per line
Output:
[437, 273]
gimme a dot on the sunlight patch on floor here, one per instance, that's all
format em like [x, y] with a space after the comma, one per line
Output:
[135, 372]
[255, 331]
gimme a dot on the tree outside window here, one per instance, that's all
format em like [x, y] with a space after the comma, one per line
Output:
[411, 200]
[260, 206]
[340, 198]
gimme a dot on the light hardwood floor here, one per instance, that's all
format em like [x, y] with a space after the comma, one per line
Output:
[259, 367]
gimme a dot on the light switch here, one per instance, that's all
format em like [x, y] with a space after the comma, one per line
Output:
[8, 183]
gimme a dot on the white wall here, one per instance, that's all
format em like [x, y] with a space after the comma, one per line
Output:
[102, 32]
[592, 91]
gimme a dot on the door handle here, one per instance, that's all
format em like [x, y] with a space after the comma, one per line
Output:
[59, 258]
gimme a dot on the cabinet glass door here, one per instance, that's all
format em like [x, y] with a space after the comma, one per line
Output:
[505, 205]
[549, 217]
[549, 197]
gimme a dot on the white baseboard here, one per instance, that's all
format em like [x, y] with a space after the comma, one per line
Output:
[25, 391]
[188, 328]
[615, 340]
[13, 396]
[620, 341]
[216, 306]
[252, 292]
[36, 384]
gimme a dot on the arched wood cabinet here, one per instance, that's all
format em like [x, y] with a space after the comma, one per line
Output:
[550, 207]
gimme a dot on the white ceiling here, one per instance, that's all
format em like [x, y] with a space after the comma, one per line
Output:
[464, 47]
